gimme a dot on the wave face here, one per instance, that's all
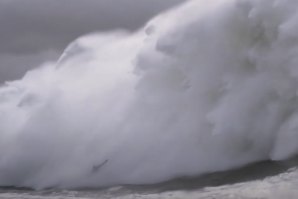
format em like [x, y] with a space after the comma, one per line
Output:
[208, 86]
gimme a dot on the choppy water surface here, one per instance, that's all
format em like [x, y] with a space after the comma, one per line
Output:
[265, 180]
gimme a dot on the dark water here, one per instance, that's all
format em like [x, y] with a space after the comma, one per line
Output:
[213, 185]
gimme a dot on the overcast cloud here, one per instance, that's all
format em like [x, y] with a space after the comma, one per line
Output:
[34, 31]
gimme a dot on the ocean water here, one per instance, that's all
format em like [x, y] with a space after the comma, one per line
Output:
[205, 88]
[266, 180]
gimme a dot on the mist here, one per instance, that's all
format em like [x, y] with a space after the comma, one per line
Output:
[33, 31]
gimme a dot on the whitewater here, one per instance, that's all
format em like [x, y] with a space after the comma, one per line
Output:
[211, 85]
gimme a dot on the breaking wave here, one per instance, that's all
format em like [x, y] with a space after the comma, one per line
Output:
[208, 86]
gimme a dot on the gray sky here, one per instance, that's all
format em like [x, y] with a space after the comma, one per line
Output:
[33, 31]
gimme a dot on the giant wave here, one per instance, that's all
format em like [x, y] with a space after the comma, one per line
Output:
[208, 86]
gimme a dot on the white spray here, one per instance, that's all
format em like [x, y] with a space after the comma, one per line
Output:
[209, 86]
